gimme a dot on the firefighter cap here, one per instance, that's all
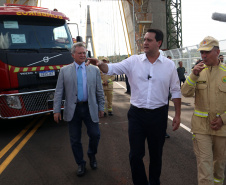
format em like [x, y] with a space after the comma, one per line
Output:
[105, 58]
[208, 43]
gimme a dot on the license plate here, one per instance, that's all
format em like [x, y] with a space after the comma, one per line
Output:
[46, 73]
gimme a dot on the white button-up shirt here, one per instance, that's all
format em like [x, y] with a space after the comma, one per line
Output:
[149, 82]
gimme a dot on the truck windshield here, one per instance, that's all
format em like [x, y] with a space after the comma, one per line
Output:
[29, 32]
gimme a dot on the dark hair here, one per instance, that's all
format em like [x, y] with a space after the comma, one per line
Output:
[216, 47]
[158, 35]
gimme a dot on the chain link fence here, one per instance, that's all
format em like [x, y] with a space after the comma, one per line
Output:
[189, 55]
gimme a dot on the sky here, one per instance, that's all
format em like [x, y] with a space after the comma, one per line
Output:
[104, 27]
[196, 22]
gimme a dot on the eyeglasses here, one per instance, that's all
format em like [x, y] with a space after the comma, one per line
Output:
[221, 58]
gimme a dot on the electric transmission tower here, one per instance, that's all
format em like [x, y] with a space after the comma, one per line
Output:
[173, 24]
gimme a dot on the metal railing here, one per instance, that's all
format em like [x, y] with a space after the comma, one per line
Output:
[189, 55]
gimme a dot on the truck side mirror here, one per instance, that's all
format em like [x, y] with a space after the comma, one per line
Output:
[89, 54]
[79, 39]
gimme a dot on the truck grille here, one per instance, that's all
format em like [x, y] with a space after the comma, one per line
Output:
[26, 104]
[37, 102]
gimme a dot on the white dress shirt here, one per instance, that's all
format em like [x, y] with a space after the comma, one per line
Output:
[149, 82]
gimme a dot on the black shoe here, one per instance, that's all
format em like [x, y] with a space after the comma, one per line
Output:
[93, 162]
[167, 136]
[110, 114]
[105, 114]
[127, 92]
[81, 170]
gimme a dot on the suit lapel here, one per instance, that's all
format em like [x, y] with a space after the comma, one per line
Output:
[88, 76]
[74, 75]
[87, 73]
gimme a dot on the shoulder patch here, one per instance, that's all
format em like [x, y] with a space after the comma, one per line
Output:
[224, 79]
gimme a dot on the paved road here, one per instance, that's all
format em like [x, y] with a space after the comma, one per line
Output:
[36, 151]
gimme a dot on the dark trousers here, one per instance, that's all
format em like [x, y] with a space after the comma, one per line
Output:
[150, 125]
[127, 84]
[116, 77]
[93, 131]
[122, 77]
[182, 80]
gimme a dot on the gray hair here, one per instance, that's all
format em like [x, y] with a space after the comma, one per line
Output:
[77, 44]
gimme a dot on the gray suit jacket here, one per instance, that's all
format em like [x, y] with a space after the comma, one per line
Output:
[67, 85]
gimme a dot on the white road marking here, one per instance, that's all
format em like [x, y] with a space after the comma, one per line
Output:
[181, 124]
[120, 85]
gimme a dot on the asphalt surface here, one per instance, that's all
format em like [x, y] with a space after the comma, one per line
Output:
[36, 151]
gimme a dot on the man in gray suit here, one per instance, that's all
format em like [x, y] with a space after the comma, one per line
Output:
[84, 101]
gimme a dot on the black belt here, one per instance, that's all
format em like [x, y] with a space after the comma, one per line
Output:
[147, 110]
[82, 103]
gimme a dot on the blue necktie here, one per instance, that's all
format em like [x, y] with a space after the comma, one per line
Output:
[80, 83]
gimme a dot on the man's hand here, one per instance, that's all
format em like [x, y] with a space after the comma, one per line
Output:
[176, 119]
[93, 61]
[198, 68]
[102, 66]
[217, 123]
[176, 123]
[105, 83]
[101, 114]
[57, 117]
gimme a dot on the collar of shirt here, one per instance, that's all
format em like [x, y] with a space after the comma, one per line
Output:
[160, 58]
[76, 65]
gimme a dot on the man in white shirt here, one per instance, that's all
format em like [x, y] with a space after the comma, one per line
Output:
[150, 75]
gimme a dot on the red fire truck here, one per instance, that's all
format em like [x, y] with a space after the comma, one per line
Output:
[34, 44]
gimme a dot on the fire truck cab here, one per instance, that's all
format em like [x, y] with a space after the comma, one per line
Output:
[34, 44]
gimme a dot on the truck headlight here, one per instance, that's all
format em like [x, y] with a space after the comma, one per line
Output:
[13, 102]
